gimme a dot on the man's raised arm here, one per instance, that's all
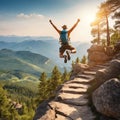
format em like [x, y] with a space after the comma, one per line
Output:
[54, 26]
[73, 26]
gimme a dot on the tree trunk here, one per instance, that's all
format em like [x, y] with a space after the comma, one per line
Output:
[108, 34]
[98, 35]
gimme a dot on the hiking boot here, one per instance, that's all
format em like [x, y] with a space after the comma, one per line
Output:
[65, 58]
[68, 55]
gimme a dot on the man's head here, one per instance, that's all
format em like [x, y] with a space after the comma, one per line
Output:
[64, 27]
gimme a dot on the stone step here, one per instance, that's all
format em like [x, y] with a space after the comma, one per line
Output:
[80, 81]
[107, 63]
[93, 69]
[89, 72]
[74, 112]
[85, 76]
[75, 85]
[76, 99]
[96, 69]
[60, 117]
[72, 90]
[101, 66]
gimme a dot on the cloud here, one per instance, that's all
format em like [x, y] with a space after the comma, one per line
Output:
[30, 16]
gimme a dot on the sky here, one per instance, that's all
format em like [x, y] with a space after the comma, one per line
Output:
[31, 17]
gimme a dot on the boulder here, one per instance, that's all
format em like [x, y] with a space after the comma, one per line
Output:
[44, 112]
[109, 51]
[117, 47]
[106, 98]
[97, 55]
[117, 56]
[113, 71]
[98, 48]
[79, 68]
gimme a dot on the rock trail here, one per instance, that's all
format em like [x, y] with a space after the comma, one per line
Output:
[71, 102]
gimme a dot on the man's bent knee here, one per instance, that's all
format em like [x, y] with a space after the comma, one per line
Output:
[61, 55]
[73, 51]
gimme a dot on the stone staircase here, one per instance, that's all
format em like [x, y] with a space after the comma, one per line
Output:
[71, 102]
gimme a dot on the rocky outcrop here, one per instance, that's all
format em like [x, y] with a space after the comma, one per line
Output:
[44, 112]
[79, 68]
[106, 98]
[97, 55]
[112, 71]
[117, 47]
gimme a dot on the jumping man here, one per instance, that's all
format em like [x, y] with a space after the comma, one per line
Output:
[64, 40]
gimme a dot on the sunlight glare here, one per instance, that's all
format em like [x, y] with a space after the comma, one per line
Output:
[89, 18]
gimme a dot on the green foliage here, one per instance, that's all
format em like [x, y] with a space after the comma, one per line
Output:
[77, 60]
[84, 60]
[48, 86]
[6, 112]
[73, 63]
[26, 92]
[115, 37]
[43, 87]
[55, 78]
[100, 25]
[24, 61]
[17, 76]
[23, 93]
[65, 75]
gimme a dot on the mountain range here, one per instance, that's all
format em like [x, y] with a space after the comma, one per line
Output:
[24, 61]
[46, 46]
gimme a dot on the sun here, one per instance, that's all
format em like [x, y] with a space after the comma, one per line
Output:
[89, 18]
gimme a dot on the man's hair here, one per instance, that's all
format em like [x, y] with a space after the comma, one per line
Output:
[64, 26]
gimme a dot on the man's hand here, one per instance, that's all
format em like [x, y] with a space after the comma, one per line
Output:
[50, 21]
[78, 20]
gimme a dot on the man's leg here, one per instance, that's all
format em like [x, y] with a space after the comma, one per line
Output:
[68, 55]
[61, 55]
[73, 50]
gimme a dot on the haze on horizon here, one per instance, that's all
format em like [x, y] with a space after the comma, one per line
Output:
[31, 17]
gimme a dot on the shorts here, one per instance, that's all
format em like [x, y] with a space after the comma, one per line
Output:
[65, 47]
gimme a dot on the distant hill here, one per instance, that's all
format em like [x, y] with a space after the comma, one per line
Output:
[17, 76]
[47, 47]
[24, 61]
[14, 38]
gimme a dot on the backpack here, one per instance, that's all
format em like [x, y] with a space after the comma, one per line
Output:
[64, 37]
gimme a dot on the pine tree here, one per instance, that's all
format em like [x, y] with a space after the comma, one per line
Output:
[24, 109]
[43, 87]
[77, 60]
[84, 60]
[73, 64]
[6, 112]
[55, 79]
[65, 75]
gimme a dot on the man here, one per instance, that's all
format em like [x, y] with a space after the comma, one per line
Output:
[64, 40]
